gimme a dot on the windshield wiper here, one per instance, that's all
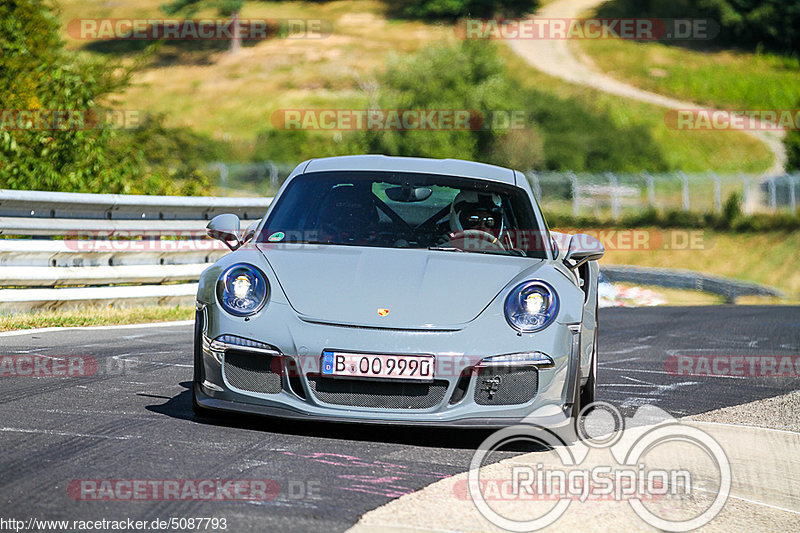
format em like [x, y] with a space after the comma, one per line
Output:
[446, 248]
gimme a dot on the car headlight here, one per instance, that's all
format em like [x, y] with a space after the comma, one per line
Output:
[242, 290]
[531, 306]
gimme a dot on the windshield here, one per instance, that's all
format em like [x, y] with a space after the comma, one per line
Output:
[405, 210]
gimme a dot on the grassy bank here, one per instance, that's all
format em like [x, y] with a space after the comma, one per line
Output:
[232, 98]
[725, 79]
[690, 151]
[95, 316]
[768, 258]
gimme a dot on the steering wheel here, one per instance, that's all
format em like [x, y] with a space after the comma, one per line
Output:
[484, 239]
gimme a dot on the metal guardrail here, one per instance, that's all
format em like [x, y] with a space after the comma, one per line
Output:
[686, 279]
[111, 249]
[115, 249]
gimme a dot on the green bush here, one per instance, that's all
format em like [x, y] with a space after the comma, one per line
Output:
[554, 133]
[38, 74]
[749, 24]
[468, 76]
[454, 9]
[675, 218]
[294, 146]
[732, 210]
[169, 160]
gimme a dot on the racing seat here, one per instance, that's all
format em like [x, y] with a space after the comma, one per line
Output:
[347, 214]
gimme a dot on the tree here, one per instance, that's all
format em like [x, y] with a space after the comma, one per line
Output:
[225, 8]
[39, 79]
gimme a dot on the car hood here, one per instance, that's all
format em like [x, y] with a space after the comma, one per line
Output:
[421, 289]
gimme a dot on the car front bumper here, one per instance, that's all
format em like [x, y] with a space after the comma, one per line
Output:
[297, 341]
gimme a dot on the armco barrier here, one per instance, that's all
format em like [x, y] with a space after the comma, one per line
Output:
[66, 249]
[686, 279]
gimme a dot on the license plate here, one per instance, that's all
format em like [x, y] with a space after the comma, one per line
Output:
[377, 366]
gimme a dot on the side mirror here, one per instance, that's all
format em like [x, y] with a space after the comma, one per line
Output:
[554, 247]
[250, 232]
[225, 228]
[583, 248]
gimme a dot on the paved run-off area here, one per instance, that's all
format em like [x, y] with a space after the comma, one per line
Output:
[132, 420]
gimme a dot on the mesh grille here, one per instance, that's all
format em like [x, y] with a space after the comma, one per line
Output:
[384, 394]
[506, 386]
[251, 372]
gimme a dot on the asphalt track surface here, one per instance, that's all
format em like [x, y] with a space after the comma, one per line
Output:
[133, 420]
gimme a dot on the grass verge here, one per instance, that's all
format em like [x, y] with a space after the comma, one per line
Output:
[767, 258]
[691, 151]
[725, 79]
[96, 316]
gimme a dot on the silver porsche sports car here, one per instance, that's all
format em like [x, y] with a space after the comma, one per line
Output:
[399, 290]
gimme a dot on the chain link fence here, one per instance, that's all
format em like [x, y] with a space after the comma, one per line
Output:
[608, 194]
[616, 194]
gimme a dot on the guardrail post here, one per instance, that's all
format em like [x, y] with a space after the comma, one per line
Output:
[612, 180]
[223, 174]
[537, 188]
[746, 207]
[685, 205]
[792, 199]
[773, 197]
[717, 193]
[575, 194]
[651, 190]
[273, 175]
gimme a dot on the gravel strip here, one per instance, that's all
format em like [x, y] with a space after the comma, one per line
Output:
[780, 412]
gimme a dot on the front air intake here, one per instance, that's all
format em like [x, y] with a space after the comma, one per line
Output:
[252, 372]
[506, 385]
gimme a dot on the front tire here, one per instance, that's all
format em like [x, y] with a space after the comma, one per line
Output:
[199, 375]
[589, 390]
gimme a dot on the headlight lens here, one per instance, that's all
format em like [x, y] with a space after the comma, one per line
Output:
[242, 290]
[531, 306]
